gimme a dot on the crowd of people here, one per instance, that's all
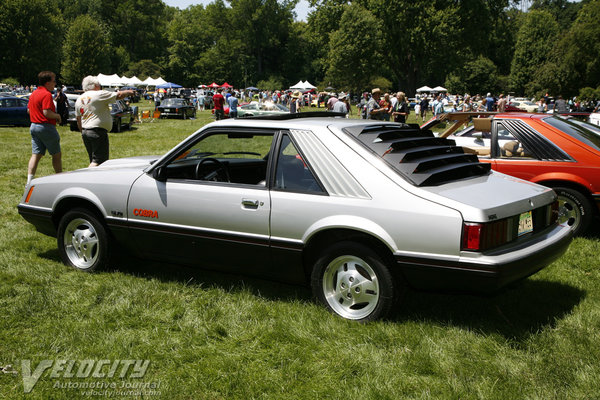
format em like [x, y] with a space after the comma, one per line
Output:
[94, 119]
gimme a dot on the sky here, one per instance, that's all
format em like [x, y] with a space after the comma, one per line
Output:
[302, 8]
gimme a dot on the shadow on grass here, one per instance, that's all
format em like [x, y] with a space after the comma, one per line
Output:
[203, 277]
[521, 310]
[517, 312]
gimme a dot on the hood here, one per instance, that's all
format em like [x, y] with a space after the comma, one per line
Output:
[129, 162]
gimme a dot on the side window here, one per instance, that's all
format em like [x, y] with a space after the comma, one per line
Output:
[292, 173]
[511, 147]
[232, 157]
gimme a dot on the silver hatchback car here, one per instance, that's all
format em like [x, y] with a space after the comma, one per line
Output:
[359, 209]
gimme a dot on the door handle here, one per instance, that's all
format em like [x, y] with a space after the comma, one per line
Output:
[250, 203]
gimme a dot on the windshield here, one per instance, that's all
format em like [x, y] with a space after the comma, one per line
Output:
[173, 102]
[581, 131]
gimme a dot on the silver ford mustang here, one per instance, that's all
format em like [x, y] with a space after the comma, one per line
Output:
[361, 210]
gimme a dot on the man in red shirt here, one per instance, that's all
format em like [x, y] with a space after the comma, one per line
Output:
[218, 101]
[43, 116]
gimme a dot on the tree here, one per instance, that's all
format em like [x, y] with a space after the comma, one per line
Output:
[30, 38]
[143, 69]
[86, 50]
[479, 75]
[354, 56]
[575, 60]
[532, 50]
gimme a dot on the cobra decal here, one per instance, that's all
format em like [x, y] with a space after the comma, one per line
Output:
[140, 212]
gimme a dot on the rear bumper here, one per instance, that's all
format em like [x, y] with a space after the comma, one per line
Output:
[488, 272]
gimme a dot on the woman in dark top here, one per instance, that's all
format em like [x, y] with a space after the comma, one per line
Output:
[401, 112]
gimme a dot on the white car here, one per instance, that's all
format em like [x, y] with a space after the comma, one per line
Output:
[526, 106]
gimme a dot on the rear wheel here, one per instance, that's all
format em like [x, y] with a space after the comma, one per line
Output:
[574, 209]
[354, 282]
[118, 127]
[83, 242]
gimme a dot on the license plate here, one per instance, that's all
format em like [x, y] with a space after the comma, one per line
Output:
[525, 223]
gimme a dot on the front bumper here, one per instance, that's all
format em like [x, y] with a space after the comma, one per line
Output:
[490, 271]
[40, 218]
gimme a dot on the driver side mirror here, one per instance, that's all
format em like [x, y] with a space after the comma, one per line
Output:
[160, 174]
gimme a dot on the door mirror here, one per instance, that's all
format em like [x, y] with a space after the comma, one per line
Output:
[160, 174]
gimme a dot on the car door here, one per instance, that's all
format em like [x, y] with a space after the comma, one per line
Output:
[197, 213]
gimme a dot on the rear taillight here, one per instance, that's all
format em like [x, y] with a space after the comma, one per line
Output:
[471, 239]
[485, 236]
[480, 237]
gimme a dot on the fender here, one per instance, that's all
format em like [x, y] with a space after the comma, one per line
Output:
[81, 193]
[350, 222]
[563, 176]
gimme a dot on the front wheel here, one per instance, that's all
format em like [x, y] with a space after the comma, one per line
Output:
[118, 127]
[574, 209]
[83, 242]
[354, 282]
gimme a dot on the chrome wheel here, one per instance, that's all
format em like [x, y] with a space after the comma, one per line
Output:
[81, 244]
[351, 287]
[568, 212]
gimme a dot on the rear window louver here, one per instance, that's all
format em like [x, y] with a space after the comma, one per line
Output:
[419, 156]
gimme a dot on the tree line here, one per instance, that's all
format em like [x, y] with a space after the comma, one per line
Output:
[468, 46]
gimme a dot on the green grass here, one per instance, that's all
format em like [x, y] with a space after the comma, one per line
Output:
[218, 336]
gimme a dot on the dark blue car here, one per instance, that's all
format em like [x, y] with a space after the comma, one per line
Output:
[13, 111]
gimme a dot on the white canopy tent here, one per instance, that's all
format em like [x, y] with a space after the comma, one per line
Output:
[159, 81]
[302, 85]
[298, 86]
[134, 80]
[109, 80]
[424, 89]
[439, 89]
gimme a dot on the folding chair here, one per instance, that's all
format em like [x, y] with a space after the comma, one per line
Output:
[145, 116]
[155, 116]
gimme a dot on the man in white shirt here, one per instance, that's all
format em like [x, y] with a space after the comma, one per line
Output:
[93, 117]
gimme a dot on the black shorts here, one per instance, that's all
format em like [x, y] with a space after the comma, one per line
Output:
[96, 144]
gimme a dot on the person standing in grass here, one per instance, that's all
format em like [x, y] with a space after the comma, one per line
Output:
[92, 110]
[218, 101]
[43, 116]
[233, 105]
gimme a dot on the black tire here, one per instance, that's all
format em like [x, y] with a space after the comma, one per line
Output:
[118, 125]
[83, 242]
[354, 282]
[575, 209]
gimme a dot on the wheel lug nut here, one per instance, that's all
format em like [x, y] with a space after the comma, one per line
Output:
[351, 279]
[349, 295]
[357, 290]
[343, 286]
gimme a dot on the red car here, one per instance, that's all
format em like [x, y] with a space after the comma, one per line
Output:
[554, 151]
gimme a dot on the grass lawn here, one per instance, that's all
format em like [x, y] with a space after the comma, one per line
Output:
[218, 336]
